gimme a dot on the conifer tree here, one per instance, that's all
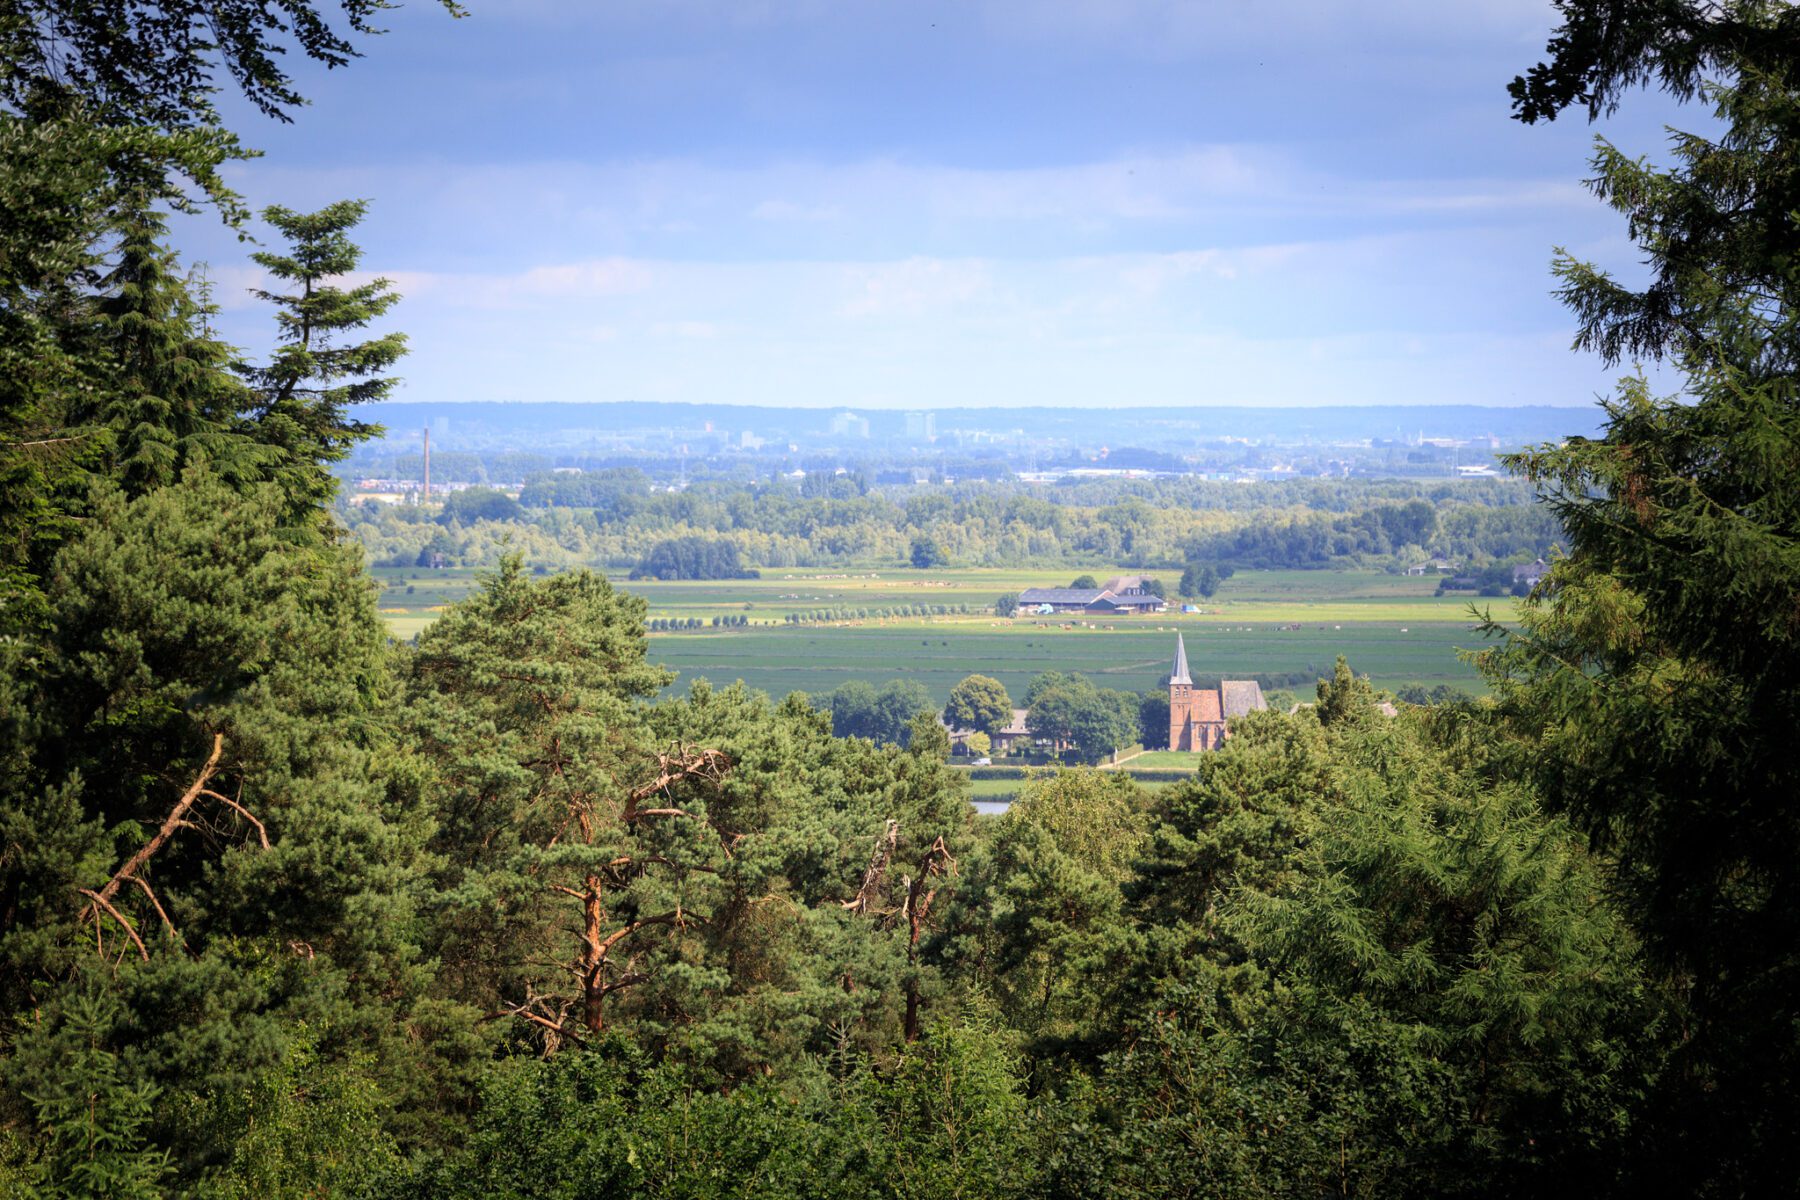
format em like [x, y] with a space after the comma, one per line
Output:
[522, 704]
[305, 393]
[168, 397]
[696, 873]
[1656, 679]
[94, 1115]
[195, 756]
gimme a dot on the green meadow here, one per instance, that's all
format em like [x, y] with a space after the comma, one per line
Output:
[1266, 624]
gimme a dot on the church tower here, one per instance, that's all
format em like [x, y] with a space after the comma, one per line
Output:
[1181, 701]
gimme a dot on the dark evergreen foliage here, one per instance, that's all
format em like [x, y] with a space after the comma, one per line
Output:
[1654, 678]
[692, 558]
[478, 504]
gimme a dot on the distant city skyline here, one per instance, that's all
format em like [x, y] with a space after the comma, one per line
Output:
[911, 207]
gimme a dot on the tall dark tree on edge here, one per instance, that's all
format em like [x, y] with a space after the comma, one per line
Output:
[1657, 677]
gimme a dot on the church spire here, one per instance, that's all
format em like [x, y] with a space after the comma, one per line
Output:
[1179, 673]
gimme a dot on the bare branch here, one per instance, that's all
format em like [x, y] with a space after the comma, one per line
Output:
[623, 981]
[635, 813]
[55, 441]
[100, 903]
[157, 905]
[877, 868]
[170, 823]
[673, 768]
[262, 834]
[677, 918]
[519, 1010]
[937, 861]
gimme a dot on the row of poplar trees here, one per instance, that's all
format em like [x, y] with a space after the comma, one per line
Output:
[287, 909]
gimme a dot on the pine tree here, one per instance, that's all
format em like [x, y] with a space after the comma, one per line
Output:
[1039, 922]
[521, 702]
[697, 873]
[305, 394]
[197, 756]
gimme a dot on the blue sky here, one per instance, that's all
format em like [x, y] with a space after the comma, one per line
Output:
[905, 205]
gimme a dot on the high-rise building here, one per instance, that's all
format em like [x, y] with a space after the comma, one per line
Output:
[921, 426]
[848, 424]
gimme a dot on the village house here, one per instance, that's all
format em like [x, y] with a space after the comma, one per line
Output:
[1002, 741]
[1529, 573]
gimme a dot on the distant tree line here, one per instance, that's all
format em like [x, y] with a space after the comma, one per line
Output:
[692, 558]
[1493, 579]
[470, 505]
[615, 518]
[820, 616]
[677, 624]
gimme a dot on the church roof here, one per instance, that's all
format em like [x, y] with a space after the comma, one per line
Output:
[1241, 696]
[1179, 672]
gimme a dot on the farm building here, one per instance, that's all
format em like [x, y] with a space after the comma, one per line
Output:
[1059, 599]
[1129, 597]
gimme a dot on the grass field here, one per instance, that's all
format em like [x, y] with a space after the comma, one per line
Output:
[1161, 760]
[1262, 623]
[993, 795]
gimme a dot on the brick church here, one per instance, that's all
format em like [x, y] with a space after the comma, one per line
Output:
[1197, 715]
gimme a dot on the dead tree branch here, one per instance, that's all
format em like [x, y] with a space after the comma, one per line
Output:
[157, 905]
[132, 871]
[674, 768]
[554, 1025]
[919, 895]
[877, 868]
[101, 904]
[170, 823]
[262, 834]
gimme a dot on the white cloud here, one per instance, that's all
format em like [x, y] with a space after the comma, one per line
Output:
[913, 287]
[605, 277]
[1357, 319]
[494, 221]
[785, 210]
[701, 330]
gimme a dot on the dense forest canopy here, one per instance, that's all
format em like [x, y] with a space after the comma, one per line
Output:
[616, 518]
[288, 908]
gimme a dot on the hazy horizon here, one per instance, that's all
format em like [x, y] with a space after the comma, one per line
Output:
[1297, 204]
